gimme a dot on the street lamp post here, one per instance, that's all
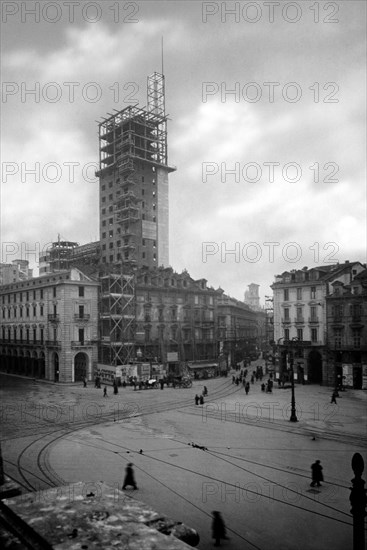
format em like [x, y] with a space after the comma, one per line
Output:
[293, 417]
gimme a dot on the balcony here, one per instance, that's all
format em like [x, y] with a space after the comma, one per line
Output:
[299, 321]
[81, 317]
[83, 344]
[53, 344]
[356, 318]
[313, 320]
[53, 317]
[286, 321]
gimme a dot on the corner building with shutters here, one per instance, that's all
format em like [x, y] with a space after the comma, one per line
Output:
[49, 327]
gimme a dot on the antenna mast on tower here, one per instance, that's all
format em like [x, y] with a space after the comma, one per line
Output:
[156, 91]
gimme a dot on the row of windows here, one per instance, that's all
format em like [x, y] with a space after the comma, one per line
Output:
[355, 337]
[301, 293]
[126, 241]
[125, 190]
[18, 335]
[355, 310]
[31, 335]
[125, 256]
[187, 334]
[199, 315]
[299, 313]
[314, 334]
[34, 295]
[28, 310]
[137, 164]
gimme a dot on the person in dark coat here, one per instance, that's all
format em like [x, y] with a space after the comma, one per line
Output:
[218, 528]
[196, 399]
[105, 391]
[333, 397]
[247, 387]
[129, 477]
[317, 475]
[201, 400]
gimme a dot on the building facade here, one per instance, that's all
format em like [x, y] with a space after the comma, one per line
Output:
[346, 307]
[240, 330]
[175, 316]
[300, 323]
[49, 327]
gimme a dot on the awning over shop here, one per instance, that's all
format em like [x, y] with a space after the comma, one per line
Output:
[196, 366]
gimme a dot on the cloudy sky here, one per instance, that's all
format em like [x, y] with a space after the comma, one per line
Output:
[267, 127]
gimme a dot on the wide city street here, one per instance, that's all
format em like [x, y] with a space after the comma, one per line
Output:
[238, 454]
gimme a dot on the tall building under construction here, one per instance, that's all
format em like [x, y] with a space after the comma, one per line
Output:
[133, 180]
[134, 223]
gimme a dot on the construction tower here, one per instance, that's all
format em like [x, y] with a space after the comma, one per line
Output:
[133, 186]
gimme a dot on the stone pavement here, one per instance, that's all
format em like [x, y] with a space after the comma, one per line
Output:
[254, 465]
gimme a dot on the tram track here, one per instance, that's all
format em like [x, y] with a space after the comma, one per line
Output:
[49, 476]
[38, 451]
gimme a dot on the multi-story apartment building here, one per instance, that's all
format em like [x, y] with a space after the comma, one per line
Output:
[300, 318]
[346, 308]
[49, 326]
[241, 330]
[133, 183]
[175, 314]
[18, 270]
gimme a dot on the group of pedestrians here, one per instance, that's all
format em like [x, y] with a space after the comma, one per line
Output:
[256, 375]
[199, 399]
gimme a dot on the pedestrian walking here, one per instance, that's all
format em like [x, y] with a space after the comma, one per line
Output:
[333, 398]
[205, 391]
[247, 388]
[218, 528]
[105, 392]
[317, 475]
[196, 399]
[201, 400]
[84, 382]
[129, 477]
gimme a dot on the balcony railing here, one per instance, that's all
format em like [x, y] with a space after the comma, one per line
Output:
[356, 318]
[53, 344]
[83, 344]
[299, 320]
[81, 317]
[313, 319]
[53, 317]
[286, 321]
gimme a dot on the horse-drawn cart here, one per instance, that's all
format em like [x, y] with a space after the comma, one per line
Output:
[179, 382]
